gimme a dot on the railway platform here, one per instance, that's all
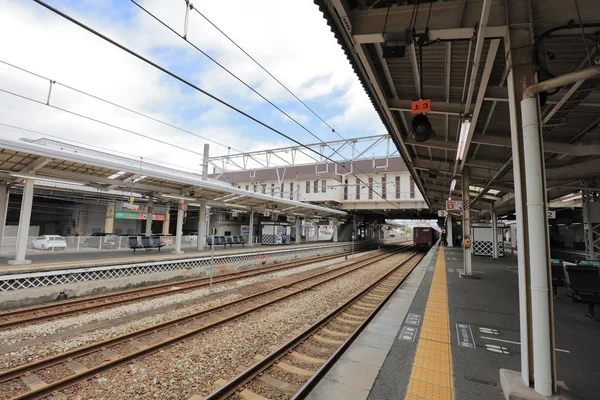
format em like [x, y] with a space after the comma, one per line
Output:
[444, 337]
[63, 260]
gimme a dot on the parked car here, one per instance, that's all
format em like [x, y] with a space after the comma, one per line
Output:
[45, 242]
[108, 240]
[191, 237]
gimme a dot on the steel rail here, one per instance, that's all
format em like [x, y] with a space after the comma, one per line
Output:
[235, 384]
[145, 293]
[79, 352]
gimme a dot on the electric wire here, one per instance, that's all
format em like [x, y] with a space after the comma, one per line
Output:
[117, 105]
[258, 93]
[224, 68]
[71, 141]
[97, 121]
[186, 82]
[171, 74]
[267, 71]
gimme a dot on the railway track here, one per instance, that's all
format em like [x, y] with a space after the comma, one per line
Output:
[25, 382]
[294, 369]
[70, 307]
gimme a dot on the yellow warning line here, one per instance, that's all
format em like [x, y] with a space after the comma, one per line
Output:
[431, 376]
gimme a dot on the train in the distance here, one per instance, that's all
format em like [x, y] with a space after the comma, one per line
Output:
[424, 238]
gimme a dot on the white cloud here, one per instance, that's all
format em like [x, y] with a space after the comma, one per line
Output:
[301, 51]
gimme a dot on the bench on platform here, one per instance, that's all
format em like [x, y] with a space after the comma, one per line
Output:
[558, 275]
[585, 284]
[145, 242]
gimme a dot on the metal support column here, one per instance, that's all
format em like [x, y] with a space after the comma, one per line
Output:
[590, 206]
[4, 196]
[251, 230]
[449, 236]
[205, 161]
[539, 249]
[297, 229]
[536, 328]
[167, 221]
[109, 219]
[466, 223]
[24, 219]
[180, 213]
[149, 215]
[494, 235]
[201, 236]
[335, 230]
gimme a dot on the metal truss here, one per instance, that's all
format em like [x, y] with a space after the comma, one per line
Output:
[339, 150]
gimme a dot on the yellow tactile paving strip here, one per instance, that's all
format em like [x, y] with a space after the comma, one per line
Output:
[431, 375]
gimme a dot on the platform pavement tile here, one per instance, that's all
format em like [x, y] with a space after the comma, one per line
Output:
[365, 354]
[329, 389]
[382, 329]
[433, 354]
[428, 391]
[433, 364]
[375, 340]
[354, 374]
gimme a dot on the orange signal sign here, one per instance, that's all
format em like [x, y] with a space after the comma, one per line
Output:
[420, 106]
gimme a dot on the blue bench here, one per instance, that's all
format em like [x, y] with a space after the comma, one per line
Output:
[584, 281]
[145, 242]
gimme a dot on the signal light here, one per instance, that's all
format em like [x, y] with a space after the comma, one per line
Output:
[421, 128]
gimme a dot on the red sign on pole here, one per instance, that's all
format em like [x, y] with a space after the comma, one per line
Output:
[420, 106]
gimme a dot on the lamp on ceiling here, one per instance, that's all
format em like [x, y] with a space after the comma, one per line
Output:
[462, 139]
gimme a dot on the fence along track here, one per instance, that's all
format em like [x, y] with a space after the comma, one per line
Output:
[63, 308]
[42, 389]
[321, 332]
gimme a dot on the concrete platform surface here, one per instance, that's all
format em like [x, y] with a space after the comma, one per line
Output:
[481, 327]
[58, 260]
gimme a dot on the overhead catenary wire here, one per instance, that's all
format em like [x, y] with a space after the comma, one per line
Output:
[71, 141]
[117, 105]
[97, 120]
[185, 81]
[224, 68]
[255, 91]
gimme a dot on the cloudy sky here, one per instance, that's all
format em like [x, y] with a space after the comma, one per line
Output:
[290, 38]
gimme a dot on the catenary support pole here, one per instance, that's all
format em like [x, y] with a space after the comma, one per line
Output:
[180, 213]
[205, 161]
[150, 215]
[201, 235]
[24, 219]
[494, 235]
[466, 223]
[251, 230]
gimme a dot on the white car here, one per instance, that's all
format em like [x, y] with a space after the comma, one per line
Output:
[45, 242]
[191, 237]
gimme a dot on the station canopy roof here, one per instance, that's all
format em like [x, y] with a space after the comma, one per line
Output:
[64, 167]
[464, 72]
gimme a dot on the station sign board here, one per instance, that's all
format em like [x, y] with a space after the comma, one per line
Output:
[442, 213]
[551, 214]
[420, 106]
[136, 216]
[454, 205]
[291, 218]
[244, 230]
